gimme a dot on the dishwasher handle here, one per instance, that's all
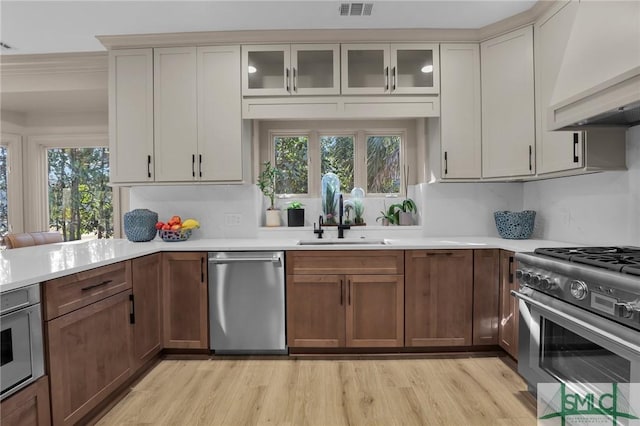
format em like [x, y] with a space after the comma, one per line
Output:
[273, 259]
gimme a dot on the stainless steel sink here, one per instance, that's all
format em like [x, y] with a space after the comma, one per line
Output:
[349, 241]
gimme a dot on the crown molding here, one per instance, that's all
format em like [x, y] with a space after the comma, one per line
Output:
[528, 17]
[54, 63]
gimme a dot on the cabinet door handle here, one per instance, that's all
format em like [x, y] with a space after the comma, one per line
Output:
[287, 79]
[91, 287]
[295, 78]
[349, 287]
[148, 166]
[576, 137]
[200, 164]
[386, 79]
[132, 310]
[193, 165]
[341, 292]
[394, 76]
[530, 158]
[510, 269]
[446, 163]
[202, 269]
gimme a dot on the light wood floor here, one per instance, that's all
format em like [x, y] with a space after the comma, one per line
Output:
[465, 391]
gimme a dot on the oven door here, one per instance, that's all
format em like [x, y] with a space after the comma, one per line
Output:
[21, 360]
[562, 343]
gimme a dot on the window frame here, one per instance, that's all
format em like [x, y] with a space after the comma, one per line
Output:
[38, 216]
[359, 153]
[15, 186]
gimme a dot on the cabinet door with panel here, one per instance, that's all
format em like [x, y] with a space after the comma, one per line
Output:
[89, 356]
[460, 103]
[175, 114]
[438, 297]
[219, 153]
[508, 113]
[147, 302]
[375, 311]
[316, 311]
[486, 296]
[131, 115]
[555, 150]
[184, 293]
[509, 312]
[28, 407]
[377, 69]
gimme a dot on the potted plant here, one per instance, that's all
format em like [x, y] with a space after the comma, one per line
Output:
[267, 184]
[389, 216]
[405, 212]
[295, 214]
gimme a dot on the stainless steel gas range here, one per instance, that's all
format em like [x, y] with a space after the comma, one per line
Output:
[579, 315]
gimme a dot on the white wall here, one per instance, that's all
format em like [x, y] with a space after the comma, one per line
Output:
[601, 208]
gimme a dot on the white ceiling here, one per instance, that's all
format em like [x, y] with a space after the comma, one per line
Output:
[71, 26]
[36, 27]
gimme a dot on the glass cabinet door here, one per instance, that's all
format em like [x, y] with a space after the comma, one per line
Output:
[365, 69]
[265, 70]
[315, 69]
[415, 68]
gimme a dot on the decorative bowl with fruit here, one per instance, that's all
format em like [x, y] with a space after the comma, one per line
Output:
[176, 230]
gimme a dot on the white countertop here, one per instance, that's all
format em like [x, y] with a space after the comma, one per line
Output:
[30, 265]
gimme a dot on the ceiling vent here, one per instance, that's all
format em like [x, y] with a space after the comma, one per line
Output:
[355, 9]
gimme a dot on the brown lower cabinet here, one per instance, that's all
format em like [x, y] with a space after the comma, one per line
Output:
[486, 296]
[28, 407]
[438, 297]
[89, 356]
[185, 304]
[345, 311]
[147, 314]
[349, 309]
[509, 312]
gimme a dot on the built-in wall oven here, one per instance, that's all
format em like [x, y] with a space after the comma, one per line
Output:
[22, 356]
[579, 315]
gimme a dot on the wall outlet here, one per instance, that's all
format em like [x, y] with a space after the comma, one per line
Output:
[232, 219]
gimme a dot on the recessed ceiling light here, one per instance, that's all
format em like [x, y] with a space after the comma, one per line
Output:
[427, 69]
[251, 69]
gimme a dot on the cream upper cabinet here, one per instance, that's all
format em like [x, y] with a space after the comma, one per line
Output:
[460, 114]
[131, 115]
[296, 69]
[175, 110]
[197, 114]
[559, 150]
[508, 114]
[378, 69]
[219, 114]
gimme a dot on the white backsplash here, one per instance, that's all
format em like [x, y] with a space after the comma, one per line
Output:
[600, 208]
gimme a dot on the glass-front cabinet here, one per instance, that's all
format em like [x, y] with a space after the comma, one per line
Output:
[376, 69]
[296, 69]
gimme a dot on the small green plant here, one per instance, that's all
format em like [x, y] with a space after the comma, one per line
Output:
[295, 205]
[358, 207]
[330, 206]
[267, 183]
[390, 214]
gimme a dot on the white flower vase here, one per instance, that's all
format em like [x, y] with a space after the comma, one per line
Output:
[272, 218]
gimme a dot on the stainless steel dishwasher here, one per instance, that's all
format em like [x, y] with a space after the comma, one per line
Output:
[247, 302]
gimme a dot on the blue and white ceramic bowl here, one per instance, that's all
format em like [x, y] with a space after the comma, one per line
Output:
[515, 225]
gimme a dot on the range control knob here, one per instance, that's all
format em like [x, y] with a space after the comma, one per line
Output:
[526, 277]
[519, 273]
[535, 280]
[623, 310]
[546, 283]
[578, 289]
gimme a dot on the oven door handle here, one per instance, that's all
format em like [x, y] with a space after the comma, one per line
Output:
[625, 343]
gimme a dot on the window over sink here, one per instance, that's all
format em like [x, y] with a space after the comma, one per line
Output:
[370, 158]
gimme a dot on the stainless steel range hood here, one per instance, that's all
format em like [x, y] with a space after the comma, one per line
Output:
[599, 80]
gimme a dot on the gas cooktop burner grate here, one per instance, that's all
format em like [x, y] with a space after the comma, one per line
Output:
[619, 259]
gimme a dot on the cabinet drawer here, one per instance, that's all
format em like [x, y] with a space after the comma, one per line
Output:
[369, 262]
[66, 294]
